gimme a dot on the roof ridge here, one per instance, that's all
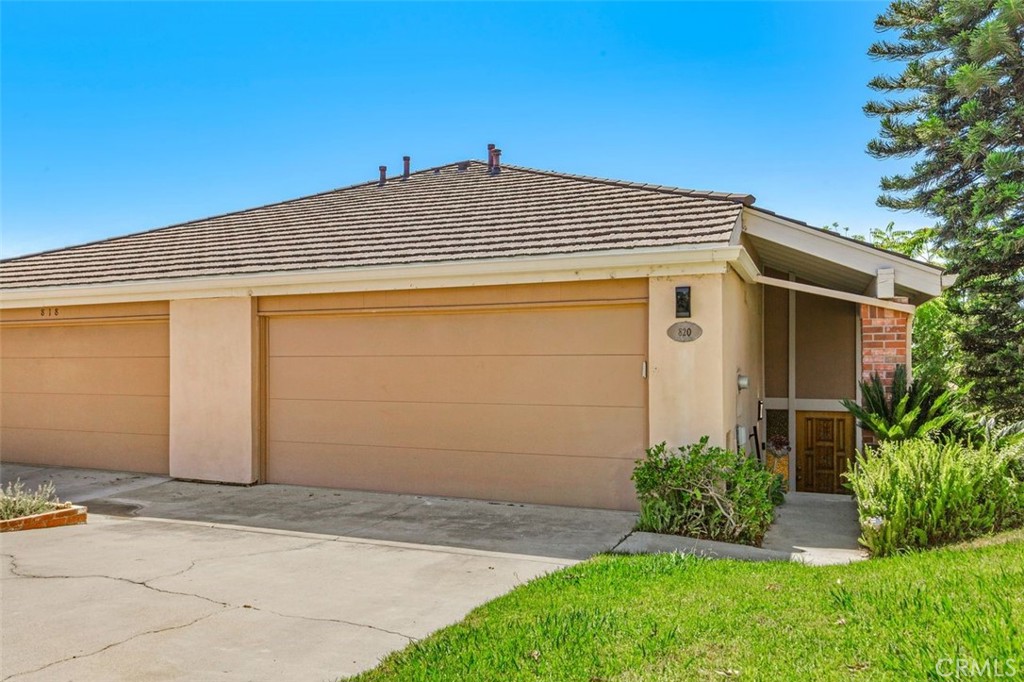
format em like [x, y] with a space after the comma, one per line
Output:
[745, 199]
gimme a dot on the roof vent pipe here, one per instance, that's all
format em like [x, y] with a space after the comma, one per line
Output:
[490, 156]
[383, 175]
[405, 167]
[496, 165]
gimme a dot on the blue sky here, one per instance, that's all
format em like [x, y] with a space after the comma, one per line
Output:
[119, 117]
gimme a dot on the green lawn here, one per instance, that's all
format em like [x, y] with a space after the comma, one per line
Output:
[669, 617]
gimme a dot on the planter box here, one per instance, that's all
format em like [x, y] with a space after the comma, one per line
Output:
[68, 516]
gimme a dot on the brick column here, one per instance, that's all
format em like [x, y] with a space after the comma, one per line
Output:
[884, 343]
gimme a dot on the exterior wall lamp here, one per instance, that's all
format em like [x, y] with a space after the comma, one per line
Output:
[682, 301]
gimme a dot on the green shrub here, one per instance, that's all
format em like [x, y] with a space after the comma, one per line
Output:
[915, 494]
[906, 409]
[15, 501]
[705, 492]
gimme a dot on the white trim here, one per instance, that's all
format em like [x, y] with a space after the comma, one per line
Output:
[805, 404]
[791, 386]
[622, 263]
[858, 367]
[737, 230]
[920, 277]
[832, 293]
[745, 267]
[883, 284]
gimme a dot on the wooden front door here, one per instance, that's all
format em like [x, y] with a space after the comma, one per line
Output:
[825, 447]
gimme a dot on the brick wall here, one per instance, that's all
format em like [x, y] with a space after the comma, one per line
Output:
[884, 343]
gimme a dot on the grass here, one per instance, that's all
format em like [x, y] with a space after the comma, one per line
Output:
[673, 617]
[16, 502]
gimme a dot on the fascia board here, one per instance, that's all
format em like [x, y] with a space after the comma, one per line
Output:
[920, 277]
[613, 264]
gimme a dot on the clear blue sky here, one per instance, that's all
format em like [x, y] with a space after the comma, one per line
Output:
[119, 117]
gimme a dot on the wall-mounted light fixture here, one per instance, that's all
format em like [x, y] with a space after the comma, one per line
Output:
[743, 382]
[682, 301]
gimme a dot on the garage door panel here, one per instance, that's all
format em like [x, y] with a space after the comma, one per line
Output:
[575, 331]
[574, 481]
[148, 339]
[99, 413]
[98, 376]
[565, 430]
[551, 380]
[549, 292]
[118, 451]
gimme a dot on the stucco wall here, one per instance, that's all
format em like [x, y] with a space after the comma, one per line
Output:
[686, 395]
[214, 390]
[742, 355]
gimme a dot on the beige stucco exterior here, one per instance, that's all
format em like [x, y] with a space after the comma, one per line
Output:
[541, 392]
[742, 356]
[214, 389]
[685, 379]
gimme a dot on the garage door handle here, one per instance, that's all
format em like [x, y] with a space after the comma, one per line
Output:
[643, 369]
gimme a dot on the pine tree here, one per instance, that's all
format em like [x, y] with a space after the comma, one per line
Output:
[956, 109]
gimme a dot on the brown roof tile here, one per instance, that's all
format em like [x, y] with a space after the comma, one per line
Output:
[437, 215]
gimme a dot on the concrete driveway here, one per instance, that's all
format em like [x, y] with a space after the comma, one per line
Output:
[188, 581]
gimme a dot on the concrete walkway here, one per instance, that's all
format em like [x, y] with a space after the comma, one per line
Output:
[190, 581]
[810, 528]
[817, 529]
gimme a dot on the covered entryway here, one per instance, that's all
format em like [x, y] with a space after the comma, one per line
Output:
[86, 386]
[529, 394]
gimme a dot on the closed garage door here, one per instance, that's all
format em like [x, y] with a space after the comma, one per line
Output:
[532, 394]
[86, 387]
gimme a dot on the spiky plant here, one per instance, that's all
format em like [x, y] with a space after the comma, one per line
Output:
[906, 410]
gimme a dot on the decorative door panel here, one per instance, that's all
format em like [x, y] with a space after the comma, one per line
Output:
[825, 447]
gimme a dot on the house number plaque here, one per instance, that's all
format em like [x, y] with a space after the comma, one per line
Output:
[685, 331]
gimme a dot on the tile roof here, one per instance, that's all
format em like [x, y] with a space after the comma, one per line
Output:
[438, 215]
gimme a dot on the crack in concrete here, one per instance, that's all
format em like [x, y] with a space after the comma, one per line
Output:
[140, 583]
[16, 571]
[114, 644]
[335, 620]
[621, 540]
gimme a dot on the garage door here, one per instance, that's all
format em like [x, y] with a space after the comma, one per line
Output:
[523, 394]
[85, 387]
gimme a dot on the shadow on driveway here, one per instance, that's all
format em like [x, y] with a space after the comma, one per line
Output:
[535, 530]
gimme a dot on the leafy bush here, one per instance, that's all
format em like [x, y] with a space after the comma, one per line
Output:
[914, 494]
[705, 492]
[15, 501]
[907, 410]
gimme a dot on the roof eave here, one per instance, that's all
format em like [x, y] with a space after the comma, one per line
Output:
[661, 261]
[925, 280]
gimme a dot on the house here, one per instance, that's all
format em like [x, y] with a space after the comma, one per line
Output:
[475, 330]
